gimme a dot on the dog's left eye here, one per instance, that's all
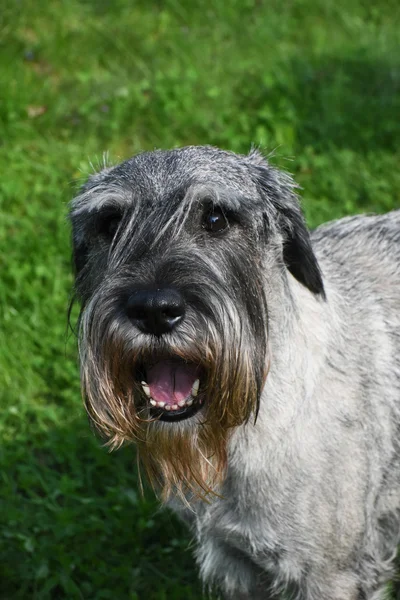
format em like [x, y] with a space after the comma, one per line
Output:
[108, 224]
[215, 220]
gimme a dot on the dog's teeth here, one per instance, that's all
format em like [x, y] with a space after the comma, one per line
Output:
[189, 402]
[153, 402]
[167, 407]
[161, 404]
[181, 403]
[175, 407]
[195, 388]
[146, 388]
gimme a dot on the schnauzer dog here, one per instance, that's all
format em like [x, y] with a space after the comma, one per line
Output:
[255, 365]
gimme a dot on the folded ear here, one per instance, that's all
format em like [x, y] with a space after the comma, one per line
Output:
[278, 191]
[79, 246]
[79, 207]
[79, 254]
[298, 254]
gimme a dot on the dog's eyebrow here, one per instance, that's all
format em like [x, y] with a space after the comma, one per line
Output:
[98, 197]
[215, 194]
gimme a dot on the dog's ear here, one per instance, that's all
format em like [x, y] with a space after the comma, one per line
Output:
[79, 253]
[278, 189]
[298, 254]
[79, 247]
[77, 212]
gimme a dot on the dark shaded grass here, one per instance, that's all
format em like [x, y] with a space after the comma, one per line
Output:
[315, 81]
[78, 526]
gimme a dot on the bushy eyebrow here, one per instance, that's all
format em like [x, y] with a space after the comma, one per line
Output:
[98, 197]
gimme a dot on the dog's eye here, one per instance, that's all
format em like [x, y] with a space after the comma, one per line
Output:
[108, 224]
[215, 220]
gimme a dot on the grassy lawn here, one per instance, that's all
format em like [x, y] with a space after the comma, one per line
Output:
[315, 81]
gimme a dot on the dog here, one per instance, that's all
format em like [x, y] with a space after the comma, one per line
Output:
[255, 365]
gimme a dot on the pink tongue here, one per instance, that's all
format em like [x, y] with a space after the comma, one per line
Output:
[170, 381]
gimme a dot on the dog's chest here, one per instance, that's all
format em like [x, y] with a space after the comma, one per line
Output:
[248, 531]
[241, 532]
[266, 516]
[256, 513]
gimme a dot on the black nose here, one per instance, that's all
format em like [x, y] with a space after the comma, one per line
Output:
[157, 310]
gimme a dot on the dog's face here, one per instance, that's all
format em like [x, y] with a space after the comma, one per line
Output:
[173, 252]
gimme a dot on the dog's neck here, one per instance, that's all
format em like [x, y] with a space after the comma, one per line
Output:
[300, 326]
[298, 319]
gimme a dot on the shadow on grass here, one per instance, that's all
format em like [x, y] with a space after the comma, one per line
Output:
[350, 102]
[73, 525]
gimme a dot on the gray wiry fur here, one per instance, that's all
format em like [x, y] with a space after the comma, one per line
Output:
[311, 499]
[313, 492]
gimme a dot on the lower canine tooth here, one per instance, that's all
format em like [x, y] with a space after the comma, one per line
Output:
[195, 388]
[146, 389]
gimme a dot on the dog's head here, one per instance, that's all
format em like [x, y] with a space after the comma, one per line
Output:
[173, 252]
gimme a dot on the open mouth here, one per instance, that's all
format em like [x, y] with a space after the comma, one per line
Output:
[172, 388]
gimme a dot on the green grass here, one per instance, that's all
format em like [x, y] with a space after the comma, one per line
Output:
[317, 81]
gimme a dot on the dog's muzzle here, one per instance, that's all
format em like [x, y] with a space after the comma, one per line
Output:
[170, 384]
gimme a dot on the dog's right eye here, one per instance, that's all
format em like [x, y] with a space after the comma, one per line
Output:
[215, 220]
[108, 223]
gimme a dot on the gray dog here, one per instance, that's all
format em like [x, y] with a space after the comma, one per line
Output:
[256, 367]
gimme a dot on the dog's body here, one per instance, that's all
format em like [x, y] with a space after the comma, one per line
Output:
[316, 508]
[309, 492]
